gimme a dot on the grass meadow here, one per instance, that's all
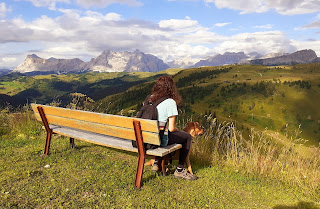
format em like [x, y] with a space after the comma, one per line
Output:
[264, 170]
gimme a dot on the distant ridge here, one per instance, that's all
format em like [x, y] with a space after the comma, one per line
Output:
[225, 59]
[299, 57]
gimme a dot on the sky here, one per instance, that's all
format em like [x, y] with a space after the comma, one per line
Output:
[168, 29]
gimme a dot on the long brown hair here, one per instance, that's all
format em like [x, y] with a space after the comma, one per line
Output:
[165, 86]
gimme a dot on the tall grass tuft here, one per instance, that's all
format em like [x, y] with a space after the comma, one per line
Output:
[263, 153]
[18, 123]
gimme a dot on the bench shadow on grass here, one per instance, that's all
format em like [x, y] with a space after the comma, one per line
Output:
[299, 205]
[132, 154]
[196, 166]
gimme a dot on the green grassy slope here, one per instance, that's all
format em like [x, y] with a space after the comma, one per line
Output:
[234, 172]
[283, 99]
[94, 176]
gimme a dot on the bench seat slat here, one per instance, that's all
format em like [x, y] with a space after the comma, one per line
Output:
[111, 141]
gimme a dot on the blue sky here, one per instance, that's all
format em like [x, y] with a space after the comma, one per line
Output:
[186, 30]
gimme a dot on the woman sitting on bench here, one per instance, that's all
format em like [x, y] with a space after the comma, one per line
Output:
[167, 112]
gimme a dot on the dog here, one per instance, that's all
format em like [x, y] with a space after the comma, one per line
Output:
[194, 129]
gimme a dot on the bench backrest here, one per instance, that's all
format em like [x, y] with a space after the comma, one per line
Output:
[112, 125]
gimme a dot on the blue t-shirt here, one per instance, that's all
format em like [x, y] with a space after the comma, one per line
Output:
[166, 109]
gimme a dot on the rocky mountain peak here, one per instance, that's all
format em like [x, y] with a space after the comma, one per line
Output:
[304, 55]
[105, 53]
[137, 51]
[298, 57]
[36, 65]
[33, 56]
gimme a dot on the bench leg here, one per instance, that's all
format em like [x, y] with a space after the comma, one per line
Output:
[72, 142]
[141, 152]
[47, 146]
[163, 163]
[138, 181]
[48, 129]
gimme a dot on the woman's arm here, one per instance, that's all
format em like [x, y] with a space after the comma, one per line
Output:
[172, 127]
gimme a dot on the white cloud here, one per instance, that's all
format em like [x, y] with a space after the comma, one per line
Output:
[261, 42]
[87, 34]
[48, 3]
[246, 6]
[222, 24]
[268, 26]
[4, 10]
[285, 7]
[113, 16]
[203, 37]
[51, 4]
[11, 32]
[104, 3]
[294, 7]
[7, 62]
[315, 24]
[186, 25]
[8, 59]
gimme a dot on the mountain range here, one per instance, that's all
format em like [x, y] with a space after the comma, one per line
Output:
[108, 61]
[254, 58]
[137, 61]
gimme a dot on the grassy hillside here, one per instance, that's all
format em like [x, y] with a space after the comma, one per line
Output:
[282, 99]
[94, 176]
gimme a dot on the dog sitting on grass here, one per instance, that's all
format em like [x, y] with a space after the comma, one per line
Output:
[194, 129]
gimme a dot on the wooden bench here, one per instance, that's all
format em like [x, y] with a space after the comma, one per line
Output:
[104, 129]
